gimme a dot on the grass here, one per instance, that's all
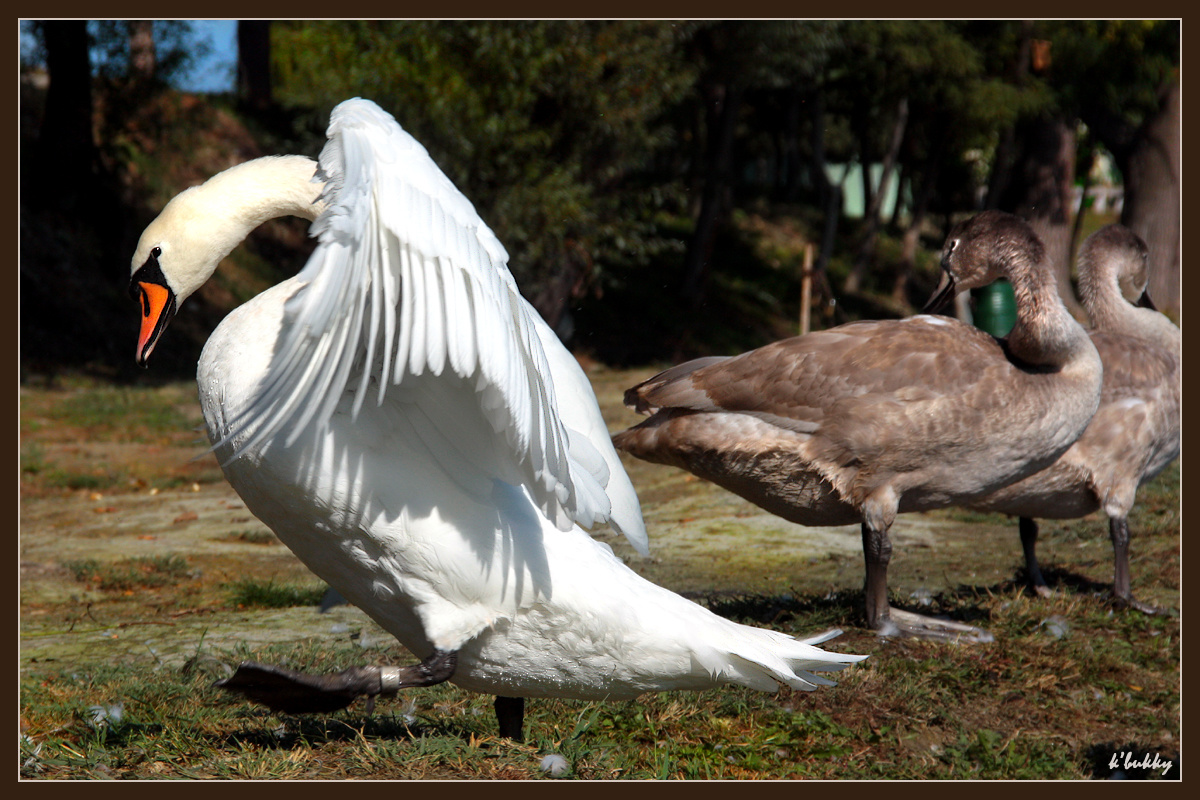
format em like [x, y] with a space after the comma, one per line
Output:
[251, 593]
[1026, 706]
[105, 411]
[69, 432]
[137, 610]
[261, 536]
[140, 572]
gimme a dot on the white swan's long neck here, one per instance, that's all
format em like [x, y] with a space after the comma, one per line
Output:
[266, 188]
[202, 225]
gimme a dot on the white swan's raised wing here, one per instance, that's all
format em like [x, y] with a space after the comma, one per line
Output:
[408, 281]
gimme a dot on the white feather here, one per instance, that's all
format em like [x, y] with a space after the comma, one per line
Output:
[448, 507]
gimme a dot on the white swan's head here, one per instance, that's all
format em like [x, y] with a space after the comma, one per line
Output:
[979, 250]
[182, 247]
[172, 260]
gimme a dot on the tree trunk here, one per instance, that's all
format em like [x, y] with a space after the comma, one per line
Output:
[1005, 160]
[554, 297]
[1081, 210]
[871, 216]
[831, 202]
[66, 149]
[1040, 192]
[1153, 196]
[864, 160]
[912, 233]
[254, 63]
[791, 146]
[903, 178]
[143, 60]
[727, 99]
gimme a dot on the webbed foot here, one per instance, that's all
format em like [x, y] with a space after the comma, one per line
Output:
[295, 692]
[906, 623]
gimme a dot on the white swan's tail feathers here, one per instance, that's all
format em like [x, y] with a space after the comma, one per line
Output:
[763, 659]
[824, 636]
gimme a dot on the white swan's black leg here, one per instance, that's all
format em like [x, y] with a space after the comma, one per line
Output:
[510, 714]
[1029, 536]
[297, 692]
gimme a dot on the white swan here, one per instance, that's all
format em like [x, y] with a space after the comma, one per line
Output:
[406, 423]
[1134, 434]
[870, 419]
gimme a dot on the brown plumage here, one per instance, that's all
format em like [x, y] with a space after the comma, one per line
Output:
[1134, 434]
[870, 419]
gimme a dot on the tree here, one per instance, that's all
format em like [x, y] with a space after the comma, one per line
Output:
[1033, 171]
[141, 56]
[66, 148]
[552, 129]
[143, 61]
[1121, 79]
[1116, 78]
[956, 110]
[735, 58]
[1152, 196]
[874, 198]
[254, 63]
[1040, 191]
[721, 87]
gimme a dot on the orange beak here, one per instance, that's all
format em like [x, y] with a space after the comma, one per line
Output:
[149, 288]
[158, 307]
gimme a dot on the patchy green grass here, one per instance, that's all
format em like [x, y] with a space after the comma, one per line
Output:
[140, 572]
[1028, 706]
[106, 411]
[260, 536]
[252, 593]
[130, 609]
[85, 436]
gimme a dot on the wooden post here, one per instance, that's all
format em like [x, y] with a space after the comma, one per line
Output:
[806, 288]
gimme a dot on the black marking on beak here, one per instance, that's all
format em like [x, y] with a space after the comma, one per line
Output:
[148, 288]
[943, 296]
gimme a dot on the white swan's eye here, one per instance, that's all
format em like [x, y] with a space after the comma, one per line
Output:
[156, 252]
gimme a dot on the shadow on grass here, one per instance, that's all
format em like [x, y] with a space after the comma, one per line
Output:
[261, 730]
[841, 609]
[1057, 579]
[963, 603]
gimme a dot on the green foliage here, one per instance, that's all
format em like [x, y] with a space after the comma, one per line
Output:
[176, 48]
[549, 127]
[586, 145]
[1112, 67]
